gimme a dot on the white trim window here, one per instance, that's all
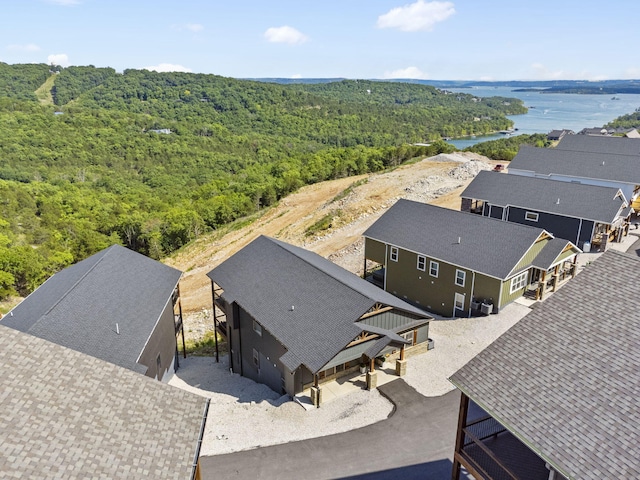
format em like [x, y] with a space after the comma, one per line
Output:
[519, 281]
[422, 263]
[458, 302]
[461, 276]
[257, 328]
[531, 216]
[393, 254]
[434, 268]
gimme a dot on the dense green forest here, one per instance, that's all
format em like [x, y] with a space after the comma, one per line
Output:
[631, 120]
[152, 160]
[507, 148]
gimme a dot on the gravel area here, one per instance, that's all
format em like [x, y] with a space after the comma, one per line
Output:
[244, 414]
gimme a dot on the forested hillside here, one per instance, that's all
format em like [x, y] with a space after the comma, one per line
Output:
[152, 160]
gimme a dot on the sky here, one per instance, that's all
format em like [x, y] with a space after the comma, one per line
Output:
[373, 39]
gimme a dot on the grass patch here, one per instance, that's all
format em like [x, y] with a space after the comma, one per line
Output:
[205, 346]
[348, 190]
[323, 224]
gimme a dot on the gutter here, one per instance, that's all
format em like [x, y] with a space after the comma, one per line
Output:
[194, 466]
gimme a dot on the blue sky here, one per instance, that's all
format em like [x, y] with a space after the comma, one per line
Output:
[453, 40]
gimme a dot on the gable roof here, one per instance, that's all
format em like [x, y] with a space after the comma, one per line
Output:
[600, 144]
[565, 379]
[79, 306]
[551, 252]
[69, 415]
[596, 166]
[487, 245]
[577, 200]
[269, 277]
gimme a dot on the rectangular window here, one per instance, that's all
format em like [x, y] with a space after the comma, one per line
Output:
[257, 328]
[422, 263]
[531, 216]
[394, 254]
[459, 301]
[433, 268]
[408, 336]
[519, 281]
[256, 358]
[460, 277]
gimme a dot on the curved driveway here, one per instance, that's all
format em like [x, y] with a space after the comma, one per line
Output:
[416, 442]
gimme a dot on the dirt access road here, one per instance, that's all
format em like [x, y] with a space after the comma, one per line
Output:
[354, 203]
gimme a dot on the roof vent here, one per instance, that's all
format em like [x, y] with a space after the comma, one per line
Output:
[603, 163]
[459, 240]
[117, 329]
[293, 308]
[558, 202]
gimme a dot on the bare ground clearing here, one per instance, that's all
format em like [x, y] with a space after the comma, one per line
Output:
[438, 180]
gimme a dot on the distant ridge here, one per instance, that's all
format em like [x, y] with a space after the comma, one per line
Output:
[555, 86]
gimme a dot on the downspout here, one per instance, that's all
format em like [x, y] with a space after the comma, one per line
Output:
[473, 286]
[194, 466]
[386, 270]
[579, 232]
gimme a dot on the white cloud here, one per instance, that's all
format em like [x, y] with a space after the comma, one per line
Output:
[486, 78]
[195, 27]
[30, 47]
[285, 34]
[168, 67]
[297, 75]
[632, 72]
[416, 16]
[542, 72]
[60, 59]
[64, 3]
[409, 72]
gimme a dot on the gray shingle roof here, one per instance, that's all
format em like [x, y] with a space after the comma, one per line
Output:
[599, 144]
[487, 245]
[547, 161]
[68, 415]
[80, 306]
[549, 254]
[565, 379]
[591, 202]
[268, 277]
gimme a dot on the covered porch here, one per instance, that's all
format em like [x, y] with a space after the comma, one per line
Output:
[554, 266]
[488, 451]
[369, 369]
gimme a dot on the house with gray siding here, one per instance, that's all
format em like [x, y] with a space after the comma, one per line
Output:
[620, 171]
[458, 264]
[73, 416]
[557, 395]
[294, 320]
[587, 215]
[116, 305]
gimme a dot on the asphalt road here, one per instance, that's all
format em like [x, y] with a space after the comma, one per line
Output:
[416, 442]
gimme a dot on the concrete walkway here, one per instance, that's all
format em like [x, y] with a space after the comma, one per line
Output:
[416, 442]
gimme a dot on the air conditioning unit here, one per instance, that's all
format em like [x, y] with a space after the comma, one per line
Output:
[475, 305]
[486, 308]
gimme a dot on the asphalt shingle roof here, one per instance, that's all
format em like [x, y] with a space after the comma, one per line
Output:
[269, 277]
[591, 202]
[487, 245]
[550, 252]
[79, 306]
[548, 161]
[599, 144]
[66, 415]
[566, 378]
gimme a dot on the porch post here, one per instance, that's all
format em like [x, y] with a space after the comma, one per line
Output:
[316, 392]
[574, 270]
[462, 420]
[401, 363]
[542, 285]
[372, 375]
[555, 279]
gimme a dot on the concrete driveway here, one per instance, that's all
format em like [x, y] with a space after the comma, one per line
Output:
[416, 442]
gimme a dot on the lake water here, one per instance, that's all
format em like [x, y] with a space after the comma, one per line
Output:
[554, 111]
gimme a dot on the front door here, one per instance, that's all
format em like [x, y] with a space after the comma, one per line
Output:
[458, 304]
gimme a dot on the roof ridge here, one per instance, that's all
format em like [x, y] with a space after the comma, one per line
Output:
[279, 244]
[75, 284]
